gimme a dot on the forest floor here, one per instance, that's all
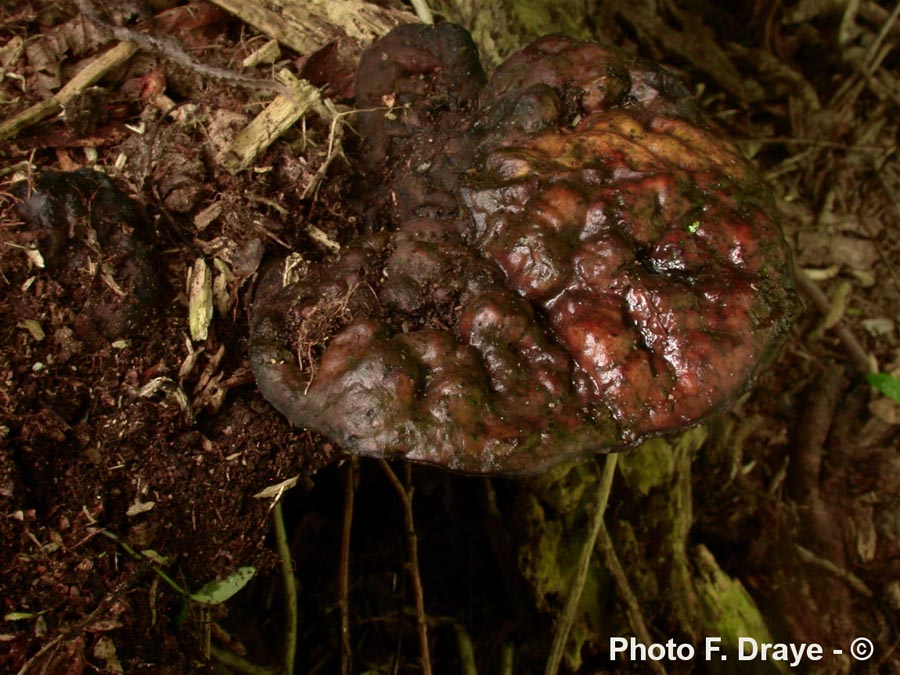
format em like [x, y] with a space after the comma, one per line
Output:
[137, 468]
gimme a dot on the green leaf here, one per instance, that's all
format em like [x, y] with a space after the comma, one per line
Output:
[218, 591]
[889, 385]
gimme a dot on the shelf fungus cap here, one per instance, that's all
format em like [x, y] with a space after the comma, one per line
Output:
[570, 260]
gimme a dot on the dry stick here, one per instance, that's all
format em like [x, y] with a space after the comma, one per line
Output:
[237, 663]
[809, 446]
[883, 90]
[344, 566]
[871, 60]
[877, 15]
[81, 627]
[290, 590]
[849, 577]
[423, 11]
[279, 116]
[858, 355]
[632, 608]
[86, 77]
[568, 616]
[406, 495]
[170, 49]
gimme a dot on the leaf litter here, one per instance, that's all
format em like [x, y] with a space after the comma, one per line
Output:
[810, 92]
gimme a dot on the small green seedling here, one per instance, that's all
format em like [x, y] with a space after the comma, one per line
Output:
[213, 593]
[218, 591]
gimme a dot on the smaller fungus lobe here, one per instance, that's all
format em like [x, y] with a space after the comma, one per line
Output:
[569, 259]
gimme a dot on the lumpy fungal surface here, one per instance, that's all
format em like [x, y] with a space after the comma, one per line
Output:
[567, 259]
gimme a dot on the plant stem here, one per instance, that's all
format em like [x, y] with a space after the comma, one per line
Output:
[632, 607]
[406, 494]
[344, 565]
[290, 590]
[423, 11]
[568, 616]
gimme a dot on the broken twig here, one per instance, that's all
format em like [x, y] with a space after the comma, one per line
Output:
[406, 494]
[86, 77]
[568, 616]
[277, 118]
[863, 361]
[607, 552]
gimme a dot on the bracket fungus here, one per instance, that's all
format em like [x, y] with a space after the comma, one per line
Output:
[566, 258]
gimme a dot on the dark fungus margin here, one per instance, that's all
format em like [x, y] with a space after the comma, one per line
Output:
[573, 260]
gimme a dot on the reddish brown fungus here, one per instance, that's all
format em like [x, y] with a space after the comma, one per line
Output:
[570, 259]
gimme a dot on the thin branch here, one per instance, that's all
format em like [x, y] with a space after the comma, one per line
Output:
[86, 77]
[607, 551]
[174, 585]
[871, 60]
[406, 496]
[36, 664]
[850, 578]
[168, 48]
[344, 565]
[568, 616]
[423, 11]
[290, 590]
[859, 356]
[277, 117]
[466, 651]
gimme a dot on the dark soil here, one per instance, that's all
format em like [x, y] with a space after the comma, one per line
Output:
[129, 449]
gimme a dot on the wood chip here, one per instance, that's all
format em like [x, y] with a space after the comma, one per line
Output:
[268, 53]
[277, 118]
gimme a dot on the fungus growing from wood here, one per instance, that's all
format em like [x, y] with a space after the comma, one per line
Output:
[567, 258]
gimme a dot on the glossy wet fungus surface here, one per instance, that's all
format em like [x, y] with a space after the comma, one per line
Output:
[563, 259]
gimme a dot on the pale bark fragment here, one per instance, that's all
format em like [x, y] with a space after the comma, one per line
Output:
[308, 25]
[277, 118]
